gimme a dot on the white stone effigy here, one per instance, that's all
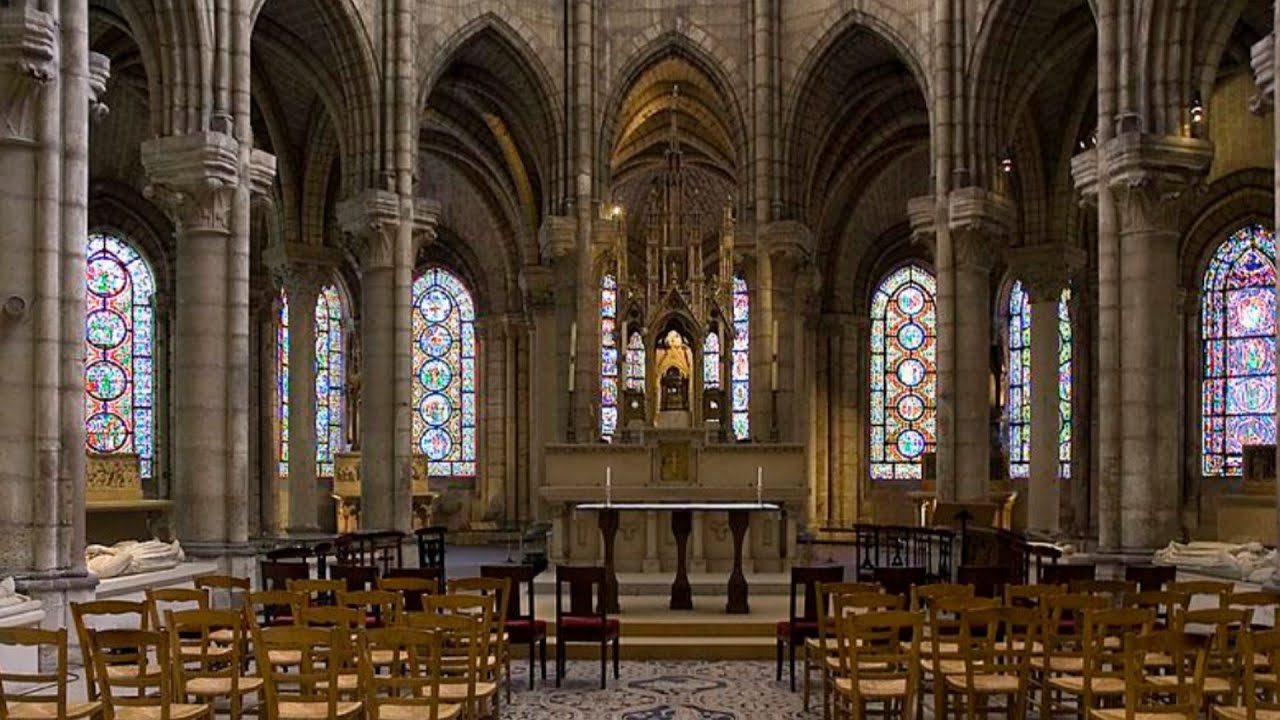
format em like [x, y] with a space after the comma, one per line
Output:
[132, 557]
[1245, 561]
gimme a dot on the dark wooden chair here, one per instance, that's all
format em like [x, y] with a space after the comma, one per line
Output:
[1150, 578]
[523, 628]
[435, 575]
[797, 628]
[430, 546]
[587, 620]
[900, 580]
[988, 581]
[357, 577]
[1064, 574]
[276, 574]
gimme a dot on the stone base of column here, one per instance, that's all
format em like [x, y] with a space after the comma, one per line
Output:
[236, 559]
[56, 591]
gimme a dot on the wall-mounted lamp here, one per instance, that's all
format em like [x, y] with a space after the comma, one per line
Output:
[1006, 161]
[1197, 109]
[615, 212]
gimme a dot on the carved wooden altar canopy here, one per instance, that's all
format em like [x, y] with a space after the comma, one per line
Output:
[346, 490]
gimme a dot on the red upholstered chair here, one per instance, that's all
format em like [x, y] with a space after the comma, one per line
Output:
[523, 628]
[586, 619]
[793, 631]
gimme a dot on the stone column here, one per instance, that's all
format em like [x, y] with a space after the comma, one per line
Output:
[545, 396]
[302, 285]
[1045, 271]
[1147, 174]
[979, 222]
[371, 221]
[194, 177]
[491, 336]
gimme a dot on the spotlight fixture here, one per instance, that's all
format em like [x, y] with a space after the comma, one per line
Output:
[1196, 109]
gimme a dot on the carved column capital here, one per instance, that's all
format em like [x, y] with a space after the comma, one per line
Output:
[1262, 60]
[922, 213]
[1084, 173]
[558, 237]
[371, 221]
[538, 285]
[1046, 269]
[980, 223]
[262, 175]
[193, 177]
[99, 73]
[426, 218]
[28, 51]
[1150, 173]
[301, 269]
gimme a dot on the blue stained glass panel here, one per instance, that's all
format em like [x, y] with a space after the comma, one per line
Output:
[444, 382]
[608, 357]
[740, 369]
[329, 379]
[711, 361]
[903, 373]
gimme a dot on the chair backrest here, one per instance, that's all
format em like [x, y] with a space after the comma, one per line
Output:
[162, 600]
[826, 595]
[134, 669]
[314, 679]
[1260, 651]
[523, 600]
[411, 590]
[192, 636]
[1216, 591]
[807, 579]
[380, 607]
[1253, 599]
[356, 577]
[349, 619]
[881, 646]
[231, 588]
[461, 639]
[1103, 658]
[1225, 626]
[1030, 595]
[1179, 690]
[104, 615]
[269, 608]
[498, 589]
[1113, 590]
[412, 691]
[1164, 603]
[986, 580]
[1150, 577]
[318, 592]
[1063, 574]
[480, 608]
[277, 575]
[1063, 617]
[900, 580]
[922, 596]
[944, 620]
[430, 546]
[585, 584]
[42, 687]
[434, 574]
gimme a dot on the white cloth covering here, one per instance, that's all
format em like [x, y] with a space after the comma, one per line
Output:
[131, 557]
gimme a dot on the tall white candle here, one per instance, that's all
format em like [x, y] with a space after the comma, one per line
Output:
[573, 339]
[608, 485]
[759, 484]
[773, 374]
[572, 368]
[773, 340]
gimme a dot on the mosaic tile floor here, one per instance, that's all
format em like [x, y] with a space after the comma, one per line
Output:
[658, 690]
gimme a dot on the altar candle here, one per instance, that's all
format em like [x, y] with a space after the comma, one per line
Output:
[773, 340]
[759, 485]
[573, 340]
[572, 368]
[773, 374]
[608, 485]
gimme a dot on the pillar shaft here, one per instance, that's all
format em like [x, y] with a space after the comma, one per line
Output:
[1042, 495]
[302, 286]
[972, 344]
[377, 405]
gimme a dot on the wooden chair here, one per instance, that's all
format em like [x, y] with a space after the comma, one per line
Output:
[433, 574]
[164, 600]
[986, 580]
[1215, 590]
[276, 575]
[1063, 647]
[411, 590]
[485, 664]
[232, 589]
[820, 650]
[922, 596]
[847, 605]
[879, 657]
[136, 677]
[412, 690]
[1223, 665]
[1255, 601]
[1177, 699]
[431, 546]
[940, 649]
[1260, 691]
[523, 628]
[310, 688]
[1063, 574]
[586, 620]
[461, 640]
[798, 628]
[1031, 596]
[381, 608]
[356, 577]
[274, 608]
[318, 592]
[211, 668]
[49, 700]
[1114, 590]
[104, 615]
[1164, 603]
[1151, 578]
[499, 590]
[900, 580]
[994, 647]
[1101, 675]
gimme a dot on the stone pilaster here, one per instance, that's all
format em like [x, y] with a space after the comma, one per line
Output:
[980, 223]
[372, 223]
[302, 285]
[194, 178]
[547, 388]
[1045, 271]
[784, 303]
[1147, 176]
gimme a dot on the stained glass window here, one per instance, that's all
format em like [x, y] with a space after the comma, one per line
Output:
[903, 373]
[1018, 399]
[119, 331]
[740, 373]
[1238, 304]
[444, 378]
[282, 385]
[711, 361]
[329, 385]
[608, 356]
[635, 362]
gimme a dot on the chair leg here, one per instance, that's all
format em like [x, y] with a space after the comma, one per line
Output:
[791, 652]
[616, 673]
[779, 653]
[559, 659]
[543, 651]
[532, 659]
[805, 685]
[604, 662]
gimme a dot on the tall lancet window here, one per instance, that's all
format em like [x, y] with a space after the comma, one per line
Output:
[282, 386]
[608, 356]
[119, 334]
[711, 361]
[1238, 310]
[1018, 400]
[740, 372]
[903, 373]
[635, 362]
[444, 374]
[329, 381]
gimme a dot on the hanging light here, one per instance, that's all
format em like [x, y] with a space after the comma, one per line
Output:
[1196, 109]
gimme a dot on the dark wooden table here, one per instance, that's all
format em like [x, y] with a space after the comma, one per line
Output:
[681, 527]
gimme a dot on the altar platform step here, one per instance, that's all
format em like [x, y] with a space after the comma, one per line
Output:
[652, 631]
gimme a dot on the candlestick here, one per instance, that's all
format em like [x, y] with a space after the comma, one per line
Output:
[773, 340]
[773, 373]
[573, 340]
[572, 369]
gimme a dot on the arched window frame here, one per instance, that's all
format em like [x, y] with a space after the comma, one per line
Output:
[1018, 382]
[433, 354]
[740, 360]
[711, 369]
[120, 345]
[635, 371]
[609, 390]
[330, 378]
[888, 460]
